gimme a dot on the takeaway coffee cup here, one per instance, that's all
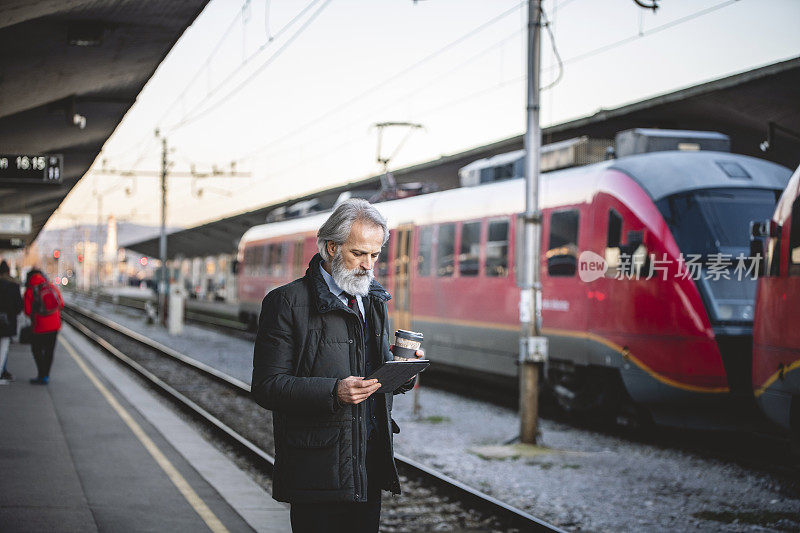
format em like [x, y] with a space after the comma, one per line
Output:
[406, 344]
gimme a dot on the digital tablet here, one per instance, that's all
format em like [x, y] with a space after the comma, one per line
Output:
[392, 374]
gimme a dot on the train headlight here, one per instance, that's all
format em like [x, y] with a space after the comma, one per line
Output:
[725, 312]
[737, 312]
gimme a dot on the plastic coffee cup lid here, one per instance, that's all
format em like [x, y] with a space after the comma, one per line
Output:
[411, 335]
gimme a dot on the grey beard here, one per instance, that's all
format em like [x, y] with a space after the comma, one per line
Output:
[350, 281]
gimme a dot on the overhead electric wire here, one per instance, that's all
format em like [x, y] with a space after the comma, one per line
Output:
[206, 63]
[386, 81]
[555, 53]
[189, 84]
[211, 55]
[202, 112]
[563, 4]
[651, 31]
[480, 92]
[413, 92]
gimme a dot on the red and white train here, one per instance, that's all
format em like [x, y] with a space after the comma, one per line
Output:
[776, 337]
[670, 345]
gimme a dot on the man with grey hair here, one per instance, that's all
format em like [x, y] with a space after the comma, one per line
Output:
[317, 338]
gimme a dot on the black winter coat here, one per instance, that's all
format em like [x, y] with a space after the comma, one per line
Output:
[307, 340]
[10, 306]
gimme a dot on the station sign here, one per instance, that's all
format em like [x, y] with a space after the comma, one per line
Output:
[11, 244]
[16, 224]
[30, 169]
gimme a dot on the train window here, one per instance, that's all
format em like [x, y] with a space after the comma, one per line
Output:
[263, 257]
[614, 235]
[285, 259]
[248, 260]
[519, 168]
[498, 173]
[563, 244]
[774, 256]
[710, 221]
[613, 241]
[425, 251]
[268, 258]
[254, 260]
[794, 239]
[504, 172]
[446, 250]
[470, 252]
[275, 259]
[497, 248]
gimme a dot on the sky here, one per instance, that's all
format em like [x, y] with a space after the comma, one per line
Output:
[289, 91]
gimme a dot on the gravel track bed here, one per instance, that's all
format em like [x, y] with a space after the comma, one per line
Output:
[419, 508]
[590, 481]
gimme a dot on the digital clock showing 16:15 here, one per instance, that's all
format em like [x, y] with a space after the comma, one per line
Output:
[25, 162]
[26, 168]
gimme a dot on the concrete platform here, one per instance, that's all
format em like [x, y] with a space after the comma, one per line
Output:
[95, 451]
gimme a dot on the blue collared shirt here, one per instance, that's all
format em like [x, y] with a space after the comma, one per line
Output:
[338, 292]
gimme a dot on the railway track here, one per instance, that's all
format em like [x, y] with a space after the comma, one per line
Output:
[222, 403]
[225, 324]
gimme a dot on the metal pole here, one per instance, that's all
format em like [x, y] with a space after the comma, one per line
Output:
[162, 241]
[532, 346]
[99, 229]
[85, 263]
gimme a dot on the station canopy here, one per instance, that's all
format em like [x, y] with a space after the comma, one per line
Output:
[751, 107]
[71, 69]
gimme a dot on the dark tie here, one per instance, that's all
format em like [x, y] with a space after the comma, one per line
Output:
[352, 303]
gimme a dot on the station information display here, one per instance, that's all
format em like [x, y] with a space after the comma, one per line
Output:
[11, 244]
[30, 169]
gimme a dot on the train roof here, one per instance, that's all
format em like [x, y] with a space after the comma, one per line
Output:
[498, 198]
[660, 174]
[663, 174]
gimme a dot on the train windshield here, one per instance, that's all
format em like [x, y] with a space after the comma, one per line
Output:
[716, 221]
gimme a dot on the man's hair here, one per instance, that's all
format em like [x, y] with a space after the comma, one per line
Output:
[4, 269]
[337, 227]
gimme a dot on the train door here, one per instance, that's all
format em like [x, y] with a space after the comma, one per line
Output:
[564, 312]
[776, 339]
[402, 280]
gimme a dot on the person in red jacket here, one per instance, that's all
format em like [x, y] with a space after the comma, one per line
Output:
[43, 303]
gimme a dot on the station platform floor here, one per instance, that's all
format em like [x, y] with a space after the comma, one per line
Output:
[96, 451]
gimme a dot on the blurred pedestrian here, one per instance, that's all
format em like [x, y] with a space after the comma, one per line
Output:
[10, 307]
[43, 303]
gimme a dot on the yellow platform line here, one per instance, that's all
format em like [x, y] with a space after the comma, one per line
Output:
[177, 479]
